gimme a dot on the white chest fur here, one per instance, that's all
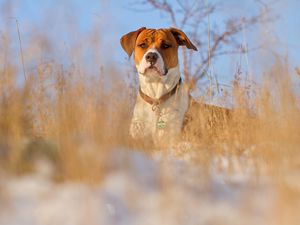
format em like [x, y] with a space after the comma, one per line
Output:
[162, 123]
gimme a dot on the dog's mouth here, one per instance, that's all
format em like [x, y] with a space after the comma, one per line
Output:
[154, 70]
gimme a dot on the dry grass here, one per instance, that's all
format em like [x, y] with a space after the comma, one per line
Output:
[65, 113]
[76, 120]
[72, 120]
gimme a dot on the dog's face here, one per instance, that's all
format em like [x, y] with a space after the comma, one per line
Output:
[155, 50]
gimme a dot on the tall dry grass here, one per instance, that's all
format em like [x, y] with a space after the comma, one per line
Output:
[75, 120]
[57, 114]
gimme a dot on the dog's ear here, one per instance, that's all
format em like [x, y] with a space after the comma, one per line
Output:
[182, 39]
[128, 40]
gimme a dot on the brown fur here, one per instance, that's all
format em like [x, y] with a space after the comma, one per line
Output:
[204, 120]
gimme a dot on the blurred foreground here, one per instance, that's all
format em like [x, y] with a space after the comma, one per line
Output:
[160, 190]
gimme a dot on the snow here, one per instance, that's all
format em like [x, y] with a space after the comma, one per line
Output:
[149, 190]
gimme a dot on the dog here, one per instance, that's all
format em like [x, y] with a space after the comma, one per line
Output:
[163, 102]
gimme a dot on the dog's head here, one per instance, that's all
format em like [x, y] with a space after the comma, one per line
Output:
[155, 50]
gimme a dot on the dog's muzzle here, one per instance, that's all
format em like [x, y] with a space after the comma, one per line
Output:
[152, 64]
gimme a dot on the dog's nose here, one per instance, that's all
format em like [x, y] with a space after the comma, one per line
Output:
[152, 57]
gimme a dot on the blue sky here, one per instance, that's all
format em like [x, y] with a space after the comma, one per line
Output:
[57, 17]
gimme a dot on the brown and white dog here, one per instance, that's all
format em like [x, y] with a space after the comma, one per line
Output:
[163, 99]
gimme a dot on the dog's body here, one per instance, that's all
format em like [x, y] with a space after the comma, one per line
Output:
[163, 100]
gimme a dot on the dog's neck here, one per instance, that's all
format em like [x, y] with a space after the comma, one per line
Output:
[155, 86]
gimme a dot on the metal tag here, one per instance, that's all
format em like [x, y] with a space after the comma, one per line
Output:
[161, 124]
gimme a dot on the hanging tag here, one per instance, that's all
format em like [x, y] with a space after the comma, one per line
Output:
[161, 124]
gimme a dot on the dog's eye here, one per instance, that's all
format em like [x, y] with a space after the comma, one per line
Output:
[143, 45]
[165, 46]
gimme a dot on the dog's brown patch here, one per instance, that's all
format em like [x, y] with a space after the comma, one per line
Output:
[205, 120]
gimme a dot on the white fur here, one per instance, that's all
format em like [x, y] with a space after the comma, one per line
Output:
[144, 121]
